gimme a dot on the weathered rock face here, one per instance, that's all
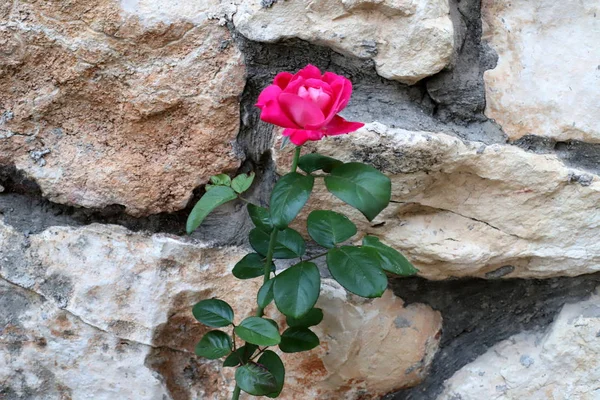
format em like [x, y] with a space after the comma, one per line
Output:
[538, 87]
[108, 280]
[408, 40]
[561, 363]
[100, 108]
[358, 357]
[467, 209]
[115, 111]
[47, 353]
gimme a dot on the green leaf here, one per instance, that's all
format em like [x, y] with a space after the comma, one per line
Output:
[329, 228]
[271, 361]
[217, 196]
[357, 269]
[265, 294]
[240, 356]
[296, 290]
[391, 260]
[312, 318]
[221, 180]
[251, 266]
[295, 340]
[213, 312]
[215, 344]
[242, 182]
[361, 186]
[258, 331]
[289, 243]
[314, 162]
[208, 187]
[255, 380]
[273, 323]
[260, 217]
[289, 195]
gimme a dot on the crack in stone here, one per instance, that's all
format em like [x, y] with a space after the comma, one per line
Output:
[91, 325]
[460, 215]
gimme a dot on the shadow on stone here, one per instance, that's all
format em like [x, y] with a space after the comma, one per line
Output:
[479, 313]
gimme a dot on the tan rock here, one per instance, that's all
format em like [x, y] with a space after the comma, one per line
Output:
[467, 209]
[100, 108]
[358, 357]
[407, 40]
[546, 81]
[561, 363]
[141, 288]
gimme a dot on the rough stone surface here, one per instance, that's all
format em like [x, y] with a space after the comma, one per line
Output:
[359, 356]
[408, 40]
[101, 108]
[562, 362]
[141, 288]
[467, 209]
[478, 313]
[47, 353]
[538, 87]
[112, 278]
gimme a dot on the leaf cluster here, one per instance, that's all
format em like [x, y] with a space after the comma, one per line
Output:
[361, 269]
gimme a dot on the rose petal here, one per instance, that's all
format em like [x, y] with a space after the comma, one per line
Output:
[271, 92]
[294, 85]
[337, 87]
[344, 95]
[310, 71]
[303, 112]
[271, 111]
[339, 125]
[301, 136]
[282, 79]
[330, 77]
[318, 83]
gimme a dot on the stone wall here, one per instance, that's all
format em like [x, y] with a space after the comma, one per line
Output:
[114, 113]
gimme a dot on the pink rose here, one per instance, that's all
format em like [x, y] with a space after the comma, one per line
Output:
[307, 104]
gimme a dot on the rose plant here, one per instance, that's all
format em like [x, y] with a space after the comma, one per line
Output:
[306, 104]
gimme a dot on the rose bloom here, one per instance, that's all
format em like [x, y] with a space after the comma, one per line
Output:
[307, 104]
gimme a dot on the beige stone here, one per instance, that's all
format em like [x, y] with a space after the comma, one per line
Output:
[141, 288]
[101, 108]
[407, 40]
[561, 363]
[358, 357]
[467, 209]
[546, 81]
[47, 353]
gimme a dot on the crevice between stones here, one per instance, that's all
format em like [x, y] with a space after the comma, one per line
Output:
[85, 322]
[452, 101]
[479, 313]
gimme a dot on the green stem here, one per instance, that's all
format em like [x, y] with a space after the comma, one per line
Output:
[296, 158]
[236, 393]
[269, 260]
[272, 241]
[317, 256]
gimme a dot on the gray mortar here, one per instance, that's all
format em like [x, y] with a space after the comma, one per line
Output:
[574, 153]
[23, 206]
[374, 98]
[479, 313]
